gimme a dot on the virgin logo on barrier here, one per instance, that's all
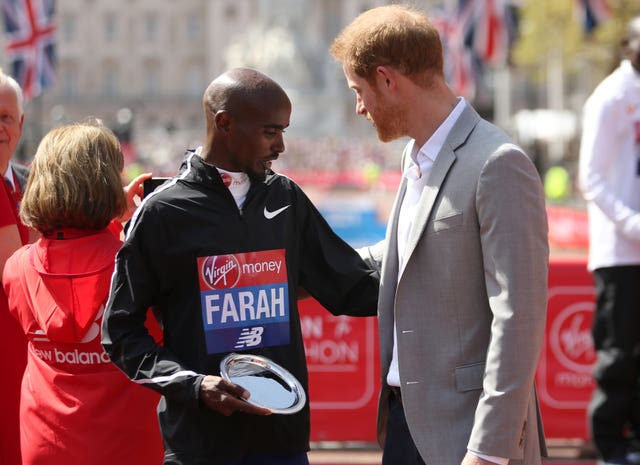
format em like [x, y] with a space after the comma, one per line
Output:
[566, 362]
[570, 337]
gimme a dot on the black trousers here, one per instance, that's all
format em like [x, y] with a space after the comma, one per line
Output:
[614, 410]
[399, 448]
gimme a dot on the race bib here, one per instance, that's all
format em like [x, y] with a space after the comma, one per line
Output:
[245, 300]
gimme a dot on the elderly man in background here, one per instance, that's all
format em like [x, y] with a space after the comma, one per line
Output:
[13, 234]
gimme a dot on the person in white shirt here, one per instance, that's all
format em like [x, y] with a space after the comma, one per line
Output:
[610, 183]
[463, 291]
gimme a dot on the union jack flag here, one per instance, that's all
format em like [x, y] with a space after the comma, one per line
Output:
[493, 29]
[460, 65]
[592, 13]
[30, 43]
[481, 31]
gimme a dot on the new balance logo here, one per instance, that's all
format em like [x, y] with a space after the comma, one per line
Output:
[270, 215]
[249, 337]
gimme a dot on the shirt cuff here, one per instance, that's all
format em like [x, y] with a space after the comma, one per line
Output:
[491, 458]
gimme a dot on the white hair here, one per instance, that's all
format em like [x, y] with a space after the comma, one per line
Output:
[6, 80]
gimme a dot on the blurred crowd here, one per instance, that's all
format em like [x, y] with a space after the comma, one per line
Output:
[162, 153]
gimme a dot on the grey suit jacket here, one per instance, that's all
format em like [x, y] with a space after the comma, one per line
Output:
[470, 305]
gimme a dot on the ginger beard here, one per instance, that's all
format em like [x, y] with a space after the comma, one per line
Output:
[387, 117]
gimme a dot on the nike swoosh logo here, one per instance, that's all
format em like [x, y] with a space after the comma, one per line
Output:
[270, 215]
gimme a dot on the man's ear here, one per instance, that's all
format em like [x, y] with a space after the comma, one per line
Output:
[223, 121]
[386, 77]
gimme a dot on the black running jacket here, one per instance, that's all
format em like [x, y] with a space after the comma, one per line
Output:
[223, 280]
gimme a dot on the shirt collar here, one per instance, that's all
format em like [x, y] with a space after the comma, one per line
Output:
[434, 144]
[629, 70]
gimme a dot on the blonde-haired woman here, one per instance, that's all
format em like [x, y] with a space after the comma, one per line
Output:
[76, 406]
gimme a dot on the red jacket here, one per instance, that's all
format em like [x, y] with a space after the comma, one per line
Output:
[76, 406]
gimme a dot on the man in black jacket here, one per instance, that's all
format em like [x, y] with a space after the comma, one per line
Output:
[220, 251]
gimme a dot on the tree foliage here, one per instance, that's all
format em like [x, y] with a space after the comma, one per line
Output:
[553, 26]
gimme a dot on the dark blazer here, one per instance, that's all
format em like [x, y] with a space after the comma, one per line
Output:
[22, 174]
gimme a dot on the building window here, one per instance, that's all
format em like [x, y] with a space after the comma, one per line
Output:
[194, 27]
[70, 82]
[193, 81]
[151, 27]
[69, 28]
[230, 12]
[152, 81]
[110, 27]
[110, 83]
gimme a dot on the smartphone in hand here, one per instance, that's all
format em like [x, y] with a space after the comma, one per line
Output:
[150, 184]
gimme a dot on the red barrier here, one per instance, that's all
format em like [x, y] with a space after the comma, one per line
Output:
[568, 227]
[344, 374]
[564, 373]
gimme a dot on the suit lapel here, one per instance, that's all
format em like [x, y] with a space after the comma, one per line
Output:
[21, 173]
[389, 280]
[390, 255]
[444, 161]
[439, 171]
[391, 252]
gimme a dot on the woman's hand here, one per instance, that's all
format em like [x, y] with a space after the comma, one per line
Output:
[131, 190]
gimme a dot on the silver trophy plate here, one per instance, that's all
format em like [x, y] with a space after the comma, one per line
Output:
[271, 386]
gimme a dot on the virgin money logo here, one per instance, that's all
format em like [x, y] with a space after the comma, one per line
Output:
[570, 337]
[221, 272]
[226, 179]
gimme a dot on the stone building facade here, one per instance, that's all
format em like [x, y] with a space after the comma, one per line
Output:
[142, 65]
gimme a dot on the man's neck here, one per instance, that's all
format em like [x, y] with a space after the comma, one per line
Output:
[430, 114]
[208, 155]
